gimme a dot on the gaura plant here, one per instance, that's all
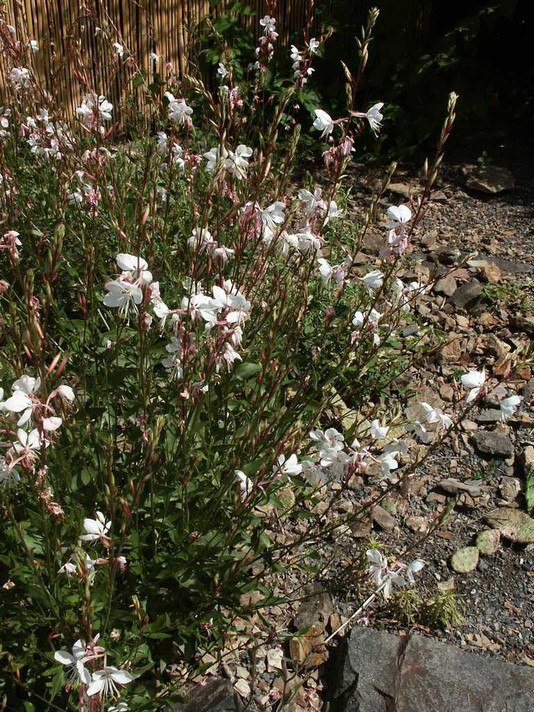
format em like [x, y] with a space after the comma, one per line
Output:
[177, 317]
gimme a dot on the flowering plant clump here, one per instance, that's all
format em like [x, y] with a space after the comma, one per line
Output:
[178, 321]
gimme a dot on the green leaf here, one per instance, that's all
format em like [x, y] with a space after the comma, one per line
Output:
[58, 683]
[247, 370]
[529, 491]
[139, 80]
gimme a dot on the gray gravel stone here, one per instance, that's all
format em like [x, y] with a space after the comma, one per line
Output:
[489, 415]
[216, 695]
[453, 486]
[493, 443]
[446, 285]
[383, 518]
[467, 293]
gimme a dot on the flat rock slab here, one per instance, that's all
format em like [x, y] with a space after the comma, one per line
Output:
[488, 179]
[506, 265]
[383, 672]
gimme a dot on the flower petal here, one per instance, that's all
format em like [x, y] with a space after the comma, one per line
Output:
[18, 402]
[63, 657]
[51, 423]
[97, 685]
[91, 526]
[122, 677]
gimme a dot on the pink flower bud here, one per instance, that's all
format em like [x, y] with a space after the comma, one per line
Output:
[146, 321]
[329, 314]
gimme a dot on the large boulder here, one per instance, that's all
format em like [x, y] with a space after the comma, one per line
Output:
[382, 672]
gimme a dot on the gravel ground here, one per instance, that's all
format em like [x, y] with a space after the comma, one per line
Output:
[498, 597]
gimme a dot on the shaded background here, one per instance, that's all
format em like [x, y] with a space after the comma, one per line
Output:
[423, 49]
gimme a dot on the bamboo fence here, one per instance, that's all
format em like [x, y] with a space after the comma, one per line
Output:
[76, 40]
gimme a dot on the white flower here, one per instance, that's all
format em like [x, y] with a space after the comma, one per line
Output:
[290, 466]
[374, 317]
[474, 380]
[105, 681]
[509, 406]
[201, 305]
[21, 401]
[333, 211]
[305, 241]
[96, 528]
[331, 439]
[93, 109]
[33, 45]
[28, 443]
[178, 110]
[389, 462]
[380, 573]
[73, 564]
[69, 568]
[374, 117]
[131, 263]
[312, 472]
[313, 45]
[398, 215]
[222, 71]
[230, 354]
[77, 670]
[419, 429]
[311, 201]
[325, 270]
[213, 156]
[378, 432]
[119, 48]
[237, 163]
[323, 122]
[123, 295]
[436, 415]
[269, 25]
[294, 55]
[357, 319]
[51, 423]
[20, 76]
[245, 483]
[200, 238]
[66, 392]
[374, 279]
[330, 446]
[413, 568]
[272, 216]
[162, 145]
[174, 361]
[378, 565]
